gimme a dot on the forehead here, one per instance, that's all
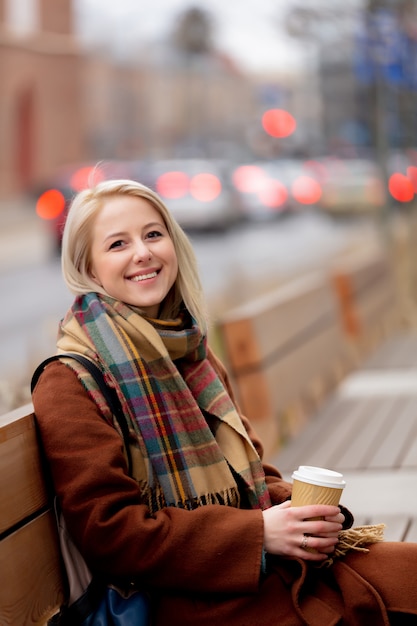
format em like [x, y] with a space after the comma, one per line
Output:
[126, 205]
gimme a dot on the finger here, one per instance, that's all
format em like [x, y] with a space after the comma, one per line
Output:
[316, 545]
[328, 535]
[337, 518]
[321, 528]
[284, 505]
[313, 555]
[317, 510]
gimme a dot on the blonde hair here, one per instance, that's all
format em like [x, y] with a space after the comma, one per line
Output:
[76, 248]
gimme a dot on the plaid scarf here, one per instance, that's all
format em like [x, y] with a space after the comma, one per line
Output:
[195, 448]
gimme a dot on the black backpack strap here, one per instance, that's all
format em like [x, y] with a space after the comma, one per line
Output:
[109, 393]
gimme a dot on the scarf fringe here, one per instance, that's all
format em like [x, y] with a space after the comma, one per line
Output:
[155, 499]
[355, 539]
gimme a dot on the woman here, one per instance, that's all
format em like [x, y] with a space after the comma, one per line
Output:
[200, 522]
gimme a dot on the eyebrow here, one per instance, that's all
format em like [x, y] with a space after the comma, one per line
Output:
[123, 232]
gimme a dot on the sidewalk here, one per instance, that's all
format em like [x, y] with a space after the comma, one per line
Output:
[23, 235]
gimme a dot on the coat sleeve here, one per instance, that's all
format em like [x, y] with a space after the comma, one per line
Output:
[279, 489]
[211, 549]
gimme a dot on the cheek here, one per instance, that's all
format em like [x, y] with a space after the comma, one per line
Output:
[174, 268]
[174, 260]
[93, 275]
[98, 267]
[96, 280]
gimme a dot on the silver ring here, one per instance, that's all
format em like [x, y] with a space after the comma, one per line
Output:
[303, 545]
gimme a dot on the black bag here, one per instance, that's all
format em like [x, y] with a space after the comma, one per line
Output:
[92, 602]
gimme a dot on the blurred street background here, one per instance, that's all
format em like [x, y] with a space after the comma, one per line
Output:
[280, 134]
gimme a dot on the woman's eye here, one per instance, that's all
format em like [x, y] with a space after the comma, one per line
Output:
[153, 234]
[116, 244]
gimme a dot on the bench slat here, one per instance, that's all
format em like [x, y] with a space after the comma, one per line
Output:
[363, 433]
[399, 352]
[331, 440]
[396, 526]
[392, 448]
[254, 332]
[305, 364]
[22, 483]
[366, 434]
[299, 450]
[410, 457]
[366, 289]
[411, 535]
[30, 574]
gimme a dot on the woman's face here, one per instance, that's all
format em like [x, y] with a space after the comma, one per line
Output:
[132, 255]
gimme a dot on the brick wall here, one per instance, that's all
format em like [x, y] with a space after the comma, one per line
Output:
[40, 117]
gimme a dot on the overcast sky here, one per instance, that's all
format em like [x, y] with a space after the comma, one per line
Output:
[249, 30]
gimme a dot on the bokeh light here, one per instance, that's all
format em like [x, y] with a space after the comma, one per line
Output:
[306, 190]
[248, 178]
[205, 187]
[50, 204]
[173, 185]
[273, 194]
[400, 187]
[86, 177]
[278, 123]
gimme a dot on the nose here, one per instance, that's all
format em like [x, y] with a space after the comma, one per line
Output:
[141, 252]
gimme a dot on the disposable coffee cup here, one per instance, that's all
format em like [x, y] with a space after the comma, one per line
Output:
[316, 485]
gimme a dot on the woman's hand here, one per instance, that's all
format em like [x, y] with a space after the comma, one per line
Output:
[288, 531]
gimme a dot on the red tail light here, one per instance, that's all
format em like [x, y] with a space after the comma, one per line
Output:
[205, 187]
[401, 188]
[273, 193]
[50, 204]
[173, 185]
[249, 178]
[86, 177]
[306, 190]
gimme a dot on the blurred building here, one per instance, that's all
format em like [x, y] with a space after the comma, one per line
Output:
[159, 106]
[368, 81]
[62, 104]
[40, 72]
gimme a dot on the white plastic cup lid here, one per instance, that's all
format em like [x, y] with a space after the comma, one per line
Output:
[319, 476]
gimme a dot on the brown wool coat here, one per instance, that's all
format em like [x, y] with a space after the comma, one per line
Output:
[203, 566]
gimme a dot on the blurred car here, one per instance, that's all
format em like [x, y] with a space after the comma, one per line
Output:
[198, 192]
[54, 197]
[351, 186]
[272, 188]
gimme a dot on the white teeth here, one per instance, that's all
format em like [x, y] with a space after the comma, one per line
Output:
[137, 279]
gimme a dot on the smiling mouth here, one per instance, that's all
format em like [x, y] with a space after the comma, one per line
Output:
[137, 279]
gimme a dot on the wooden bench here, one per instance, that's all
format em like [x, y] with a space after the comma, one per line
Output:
[30, 570]
[368, 431]
[369, 300]
[283, 349]
[287, 350]
[374, 432]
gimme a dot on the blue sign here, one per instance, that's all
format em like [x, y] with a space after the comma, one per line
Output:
[383, 51]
